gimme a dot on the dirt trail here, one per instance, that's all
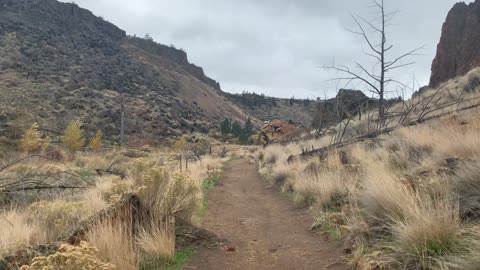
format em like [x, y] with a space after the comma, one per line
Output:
[267, 231]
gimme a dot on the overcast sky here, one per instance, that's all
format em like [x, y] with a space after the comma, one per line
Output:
[278, 47]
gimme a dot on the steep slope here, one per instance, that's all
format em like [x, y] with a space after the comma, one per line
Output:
[59, 62]
[457, 52]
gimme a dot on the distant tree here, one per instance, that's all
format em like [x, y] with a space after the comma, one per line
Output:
[290, 122]
[73, 137]
[274, 102]
[236, 129]
[248, 127]
[148, 37]
[291, 101]
[96, 143]
[226, 127]
[323, 117]
[244, 137]
[31, 141]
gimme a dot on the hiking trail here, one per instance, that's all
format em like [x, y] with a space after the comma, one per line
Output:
[266, 230]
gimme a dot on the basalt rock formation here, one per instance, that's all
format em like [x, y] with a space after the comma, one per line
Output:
[458, 51]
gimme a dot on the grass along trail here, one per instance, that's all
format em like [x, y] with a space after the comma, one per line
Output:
[264, 228]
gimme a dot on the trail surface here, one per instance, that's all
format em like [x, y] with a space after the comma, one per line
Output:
[265, 229]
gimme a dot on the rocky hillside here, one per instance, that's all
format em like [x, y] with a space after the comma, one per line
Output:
[458, 52]
[302, 112]
[59, 62]
[297, 111]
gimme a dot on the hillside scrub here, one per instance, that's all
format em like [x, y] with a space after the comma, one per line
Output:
[410, 197]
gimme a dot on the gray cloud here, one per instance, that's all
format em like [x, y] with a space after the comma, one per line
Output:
[277, 47]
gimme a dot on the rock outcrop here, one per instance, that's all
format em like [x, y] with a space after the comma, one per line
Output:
[458, 51]
[279, 131]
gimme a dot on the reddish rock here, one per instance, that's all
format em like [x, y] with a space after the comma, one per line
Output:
[229, 248]
[457, 52]
[279, 131]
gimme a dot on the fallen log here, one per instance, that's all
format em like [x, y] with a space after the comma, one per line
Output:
[129, 209]
[101, 172]
[323, 151]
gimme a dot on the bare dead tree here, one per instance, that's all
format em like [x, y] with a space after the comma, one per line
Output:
[374, 33]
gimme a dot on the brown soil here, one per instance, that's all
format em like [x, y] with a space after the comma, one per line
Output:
[263, 229]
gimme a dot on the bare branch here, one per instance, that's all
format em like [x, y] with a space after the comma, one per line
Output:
[364, 35]
[356, 76]
[410, 53]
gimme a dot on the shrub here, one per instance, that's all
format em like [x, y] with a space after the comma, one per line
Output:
[169, 194]
[139, 168]
[32, 141]
[71, 257]
[73, 137]
[201, 147]
[116, 188]
[96, 142]
[472, 83]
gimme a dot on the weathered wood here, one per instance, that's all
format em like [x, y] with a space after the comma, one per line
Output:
[101, 172]
[373, 135]
[129, 209]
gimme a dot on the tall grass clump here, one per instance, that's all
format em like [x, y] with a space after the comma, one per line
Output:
[327, 189]
[115, 243]
[158, 241]
[383, 195]
[467, 183]
[430, 230]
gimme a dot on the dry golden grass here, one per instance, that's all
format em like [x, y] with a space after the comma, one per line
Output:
[115, 243]
[18, 232]
[430, 227]
[324, 189]
[57, 217]
[158, 241]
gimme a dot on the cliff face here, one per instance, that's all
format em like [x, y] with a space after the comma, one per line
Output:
[458, 50]
[59, 62]
[174, 55]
